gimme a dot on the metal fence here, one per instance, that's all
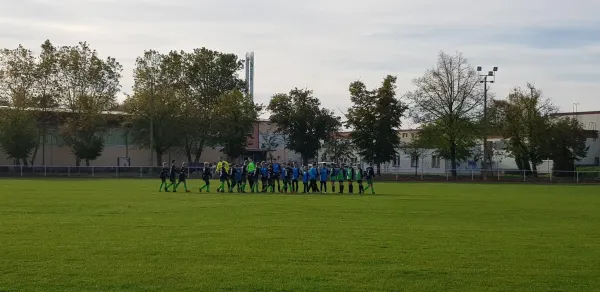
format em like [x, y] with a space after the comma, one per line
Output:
[466, 175]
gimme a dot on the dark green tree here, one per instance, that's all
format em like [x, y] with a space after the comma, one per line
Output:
[154, 108]
[89, 86]
[207, 75]
[299, 116]
[17, 88]
[567, 144]
[448, 103]
[338, 148]
[234, 117]
[526, 126]
[375, 118]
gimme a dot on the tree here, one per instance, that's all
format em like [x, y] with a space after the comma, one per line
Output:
[526, 126]
[88, 88]
[299, 116]
[234, 118]
[17, 133]
[46, 95]
[154, 107]
[375, 118]
[415, 149]
[207, 75]
[338, 149]
[448, 102]
[17, 86]
[270, 142]
[567, 144]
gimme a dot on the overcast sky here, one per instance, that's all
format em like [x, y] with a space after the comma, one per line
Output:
[326, 44]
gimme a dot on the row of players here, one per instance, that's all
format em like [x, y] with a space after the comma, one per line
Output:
[271, 174]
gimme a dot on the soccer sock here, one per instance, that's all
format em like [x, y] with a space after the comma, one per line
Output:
[350, 188]
[372, 189]
[341, 188]
[221, 187]
[333, 187]
[185, 186]
[161, 186]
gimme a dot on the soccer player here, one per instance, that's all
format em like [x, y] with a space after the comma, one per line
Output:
[313, 173]
[276, 173]
[359, 176]
[323, 173]
[264, 176]
[244, 172]
[225, 165]
[206, 176]
[305, 178]
[340, 177]
[182, 177]
[233, 172]
[271, 177]
[222, 178]
[256, 177]
[295, 176]
[350, 177]
[287, 179]
[333, 176]
[370, 175]
[164, 172]
[172, 176]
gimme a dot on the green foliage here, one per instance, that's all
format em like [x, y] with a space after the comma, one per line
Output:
[269, 142]
[89, 87]
[155, 108]
[234, 118]
[207, 75]
[299, 116]
[375, 118]
[338, 149]
[17, 77]
[18, 133]
[567, 143]
[526, 126]
[450, 142]
[448, 103]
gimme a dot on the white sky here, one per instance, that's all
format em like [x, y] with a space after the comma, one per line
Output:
[326, 44]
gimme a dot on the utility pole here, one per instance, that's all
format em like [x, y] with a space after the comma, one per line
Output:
[152, 121]
[490, 77]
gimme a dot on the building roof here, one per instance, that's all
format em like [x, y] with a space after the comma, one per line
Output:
[65, 110]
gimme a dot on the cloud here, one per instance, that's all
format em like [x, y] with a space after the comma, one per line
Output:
[324, 45]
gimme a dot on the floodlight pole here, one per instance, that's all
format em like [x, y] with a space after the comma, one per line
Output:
[485, 165]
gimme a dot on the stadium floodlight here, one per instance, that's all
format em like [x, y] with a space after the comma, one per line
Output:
[486, 78]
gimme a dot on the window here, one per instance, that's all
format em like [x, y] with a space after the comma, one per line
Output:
[412, 135]
[397, 160]
[435, 161]
[404, 135]
[414, 161]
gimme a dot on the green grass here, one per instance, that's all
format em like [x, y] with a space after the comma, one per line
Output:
[122, 235]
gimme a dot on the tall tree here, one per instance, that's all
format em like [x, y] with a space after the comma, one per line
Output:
[299, 116]
[269, 143]
[375, 118]
[234, 118]
[415, 149]
[567, 144]
[448, 102]
[338, 148]
[89, 87]
[154, 107]
[17, 86]
[46, 96]
[526, 126]
[208, 75]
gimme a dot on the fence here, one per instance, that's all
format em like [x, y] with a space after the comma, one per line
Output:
[466, 175]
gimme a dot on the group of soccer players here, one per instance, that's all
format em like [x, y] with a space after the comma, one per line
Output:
[265, 177]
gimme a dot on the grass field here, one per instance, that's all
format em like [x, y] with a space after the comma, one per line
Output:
[122, 235]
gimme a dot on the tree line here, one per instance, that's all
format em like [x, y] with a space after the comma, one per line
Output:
[188, 101]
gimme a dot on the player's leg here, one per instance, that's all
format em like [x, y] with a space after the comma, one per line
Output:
[341, 182]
